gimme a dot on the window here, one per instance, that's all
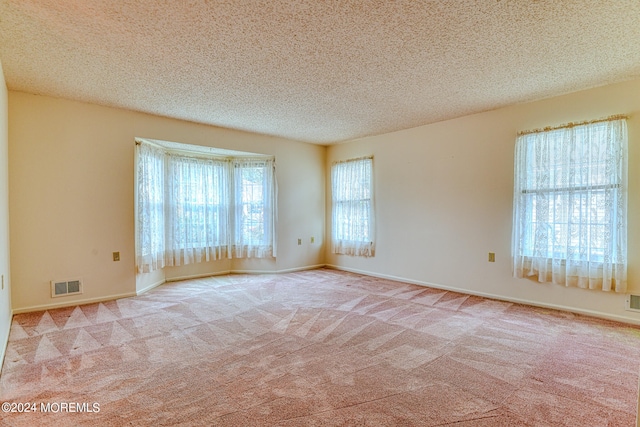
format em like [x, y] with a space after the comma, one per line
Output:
[255, 209]
[193, 208]
[352, 207]
[570, 205]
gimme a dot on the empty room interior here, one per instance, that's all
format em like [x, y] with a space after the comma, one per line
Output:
[387, 247]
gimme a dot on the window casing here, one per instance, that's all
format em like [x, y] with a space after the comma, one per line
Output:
[352, 207]
[570, 205]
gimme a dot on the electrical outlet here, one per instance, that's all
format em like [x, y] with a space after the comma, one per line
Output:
[492, 257]
[313, 239]
[299, 242]
[116, 256]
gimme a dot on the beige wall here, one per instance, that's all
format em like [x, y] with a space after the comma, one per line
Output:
[5, 292]
[72, 197]
[443, 197]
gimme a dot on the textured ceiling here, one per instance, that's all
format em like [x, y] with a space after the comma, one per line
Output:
[316, 71]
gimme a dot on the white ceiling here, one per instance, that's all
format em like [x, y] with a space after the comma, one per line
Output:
[312, 70]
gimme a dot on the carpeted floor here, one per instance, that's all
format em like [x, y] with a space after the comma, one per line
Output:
[319, 348]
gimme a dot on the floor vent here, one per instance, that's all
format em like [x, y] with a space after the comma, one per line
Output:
[68, 287]
[633, 303]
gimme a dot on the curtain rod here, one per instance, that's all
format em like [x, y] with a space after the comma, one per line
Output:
[352, 160]
[203, 155]
[139, 141]
[572, 124]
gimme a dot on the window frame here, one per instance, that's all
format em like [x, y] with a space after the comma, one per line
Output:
[351, 202]
[570, 198]
[219, 241]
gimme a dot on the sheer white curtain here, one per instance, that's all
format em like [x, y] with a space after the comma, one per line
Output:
[352, 207]
[254, 208]
[150, 208]
[197, 209]
[193, 209]
[570, 205]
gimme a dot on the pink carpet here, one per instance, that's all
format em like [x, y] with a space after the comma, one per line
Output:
[318, 348]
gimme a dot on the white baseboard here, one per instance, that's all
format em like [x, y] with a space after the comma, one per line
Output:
[287, 270]
[5, 342]
[222, 273]
[151, 286]
[198, 276]
[592, 313]
[72, 303]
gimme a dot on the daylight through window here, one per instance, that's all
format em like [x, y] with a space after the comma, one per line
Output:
[352, 207]
[570, 205]
[194, 208]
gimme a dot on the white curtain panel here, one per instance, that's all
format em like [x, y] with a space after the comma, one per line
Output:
[193, 209]
[196, 210]
[570, 206]
[150, 225]
[254, 208]
[352, 207]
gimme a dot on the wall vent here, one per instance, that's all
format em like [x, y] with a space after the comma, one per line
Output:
[633, 303]
[61, 288]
